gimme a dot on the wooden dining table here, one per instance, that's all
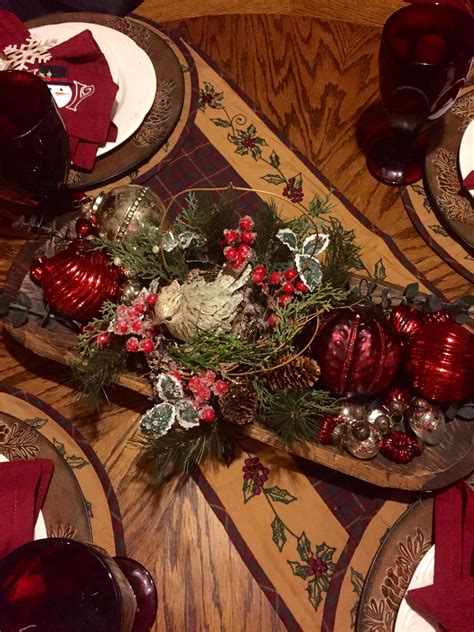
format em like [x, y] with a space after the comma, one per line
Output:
[311, 68]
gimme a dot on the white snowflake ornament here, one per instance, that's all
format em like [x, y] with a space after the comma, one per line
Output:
[20, 57]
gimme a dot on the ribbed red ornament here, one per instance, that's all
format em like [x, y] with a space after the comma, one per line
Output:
[358, 351]
[326, 428]
[77, 281]
[440, 361]
[399, 447]
[406, 320]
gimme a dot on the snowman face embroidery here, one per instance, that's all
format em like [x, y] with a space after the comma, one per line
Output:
[62, 93]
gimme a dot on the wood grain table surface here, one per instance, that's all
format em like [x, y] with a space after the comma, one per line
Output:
[313, 77]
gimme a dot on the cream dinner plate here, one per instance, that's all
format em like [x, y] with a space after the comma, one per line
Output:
[408, 620]
[466, 153]
[40, 527]
[130, 67]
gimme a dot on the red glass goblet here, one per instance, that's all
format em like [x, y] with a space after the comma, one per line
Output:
[34, 146]
[425, 57]
[59, 585]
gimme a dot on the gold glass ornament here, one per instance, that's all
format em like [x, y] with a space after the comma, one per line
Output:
[119, 211]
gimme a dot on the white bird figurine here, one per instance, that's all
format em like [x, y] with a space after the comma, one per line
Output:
[200, 305]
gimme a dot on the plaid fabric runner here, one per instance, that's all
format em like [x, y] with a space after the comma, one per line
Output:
[308, 536]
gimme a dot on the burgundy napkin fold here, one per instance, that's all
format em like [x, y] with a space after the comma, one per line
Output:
[23, 487]
[468, 181]
[449, 601]
[79, 78]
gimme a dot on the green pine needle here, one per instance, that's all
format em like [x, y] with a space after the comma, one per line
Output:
[293, 414]
[180, 450]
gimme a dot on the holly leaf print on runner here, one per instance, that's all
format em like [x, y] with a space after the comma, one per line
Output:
[36, 422]
[221, 122]
[273, 178]
[304, 547]
[357, 581]
[247, 141]
[315, 569]
[379, 271]
[75, 462]
[274, 160]
[278, 529]
[279, 495]
[208, 97]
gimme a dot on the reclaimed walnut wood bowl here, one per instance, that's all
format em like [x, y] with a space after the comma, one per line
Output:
[437, 467]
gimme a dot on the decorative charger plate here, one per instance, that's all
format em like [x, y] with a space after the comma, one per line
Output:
[443, 182]
[80, 503]
[401, 552]
[163, 115]
[64, 510]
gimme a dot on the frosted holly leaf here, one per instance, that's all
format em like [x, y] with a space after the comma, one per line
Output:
[157, 421]
[169, 388]
[186, 239]
[186, 415]
[315, 244]
[169, 242]
[288, 237]
[31, 52]
[309, 270]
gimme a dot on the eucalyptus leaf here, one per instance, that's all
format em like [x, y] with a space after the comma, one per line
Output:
[411, 290]
[466, 411]
[18, 319]
[4, 306]
[434, 304]
[23, 300]
[289, 238]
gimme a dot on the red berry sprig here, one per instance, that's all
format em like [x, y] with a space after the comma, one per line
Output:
[285, 285]
[237, 249]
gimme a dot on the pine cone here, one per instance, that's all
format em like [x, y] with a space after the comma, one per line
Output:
[239, 404]
[300, 373]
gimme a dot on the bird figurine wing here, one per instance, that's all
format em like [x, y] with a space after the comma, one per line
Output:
[204, 306]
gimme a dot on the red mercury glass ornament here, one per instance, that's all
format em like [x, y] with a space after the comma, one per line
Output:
[358, 351]
[440, 362]
[77, 280]
[406, 320]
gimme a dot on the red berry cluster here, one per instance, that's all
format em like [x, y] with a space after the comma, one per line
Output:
[255, 471]
[133, 320]
[293, 192]
[237, 249]
[399, 447]
[202, 388]
[285, 284]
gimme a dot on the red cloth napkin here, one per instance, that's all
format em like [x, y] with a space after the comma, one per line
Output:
[79, 78]
[23, 487]
[468, 181]
[449, 601]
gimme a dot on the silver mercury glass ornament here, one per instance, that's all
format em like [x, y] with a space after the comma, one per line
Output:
[384, 420]
[363, 440]
[352, 411]
[427, 422]
[130, 292]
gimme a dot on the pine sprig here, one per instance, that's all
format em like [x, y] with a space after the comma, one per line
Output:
[87, 344]
[209, 349]
[136, 255]
[93, 373]
[342, 255]
[292, 414]
[180, 450]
